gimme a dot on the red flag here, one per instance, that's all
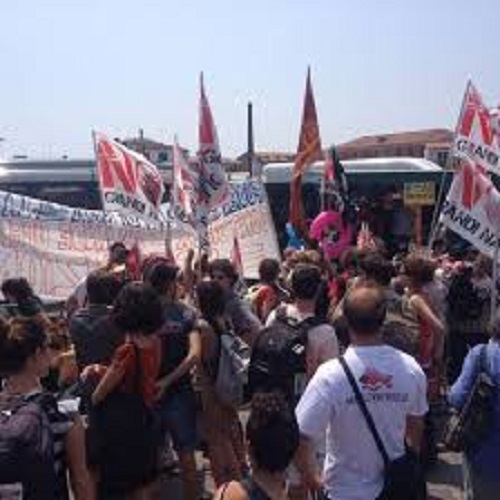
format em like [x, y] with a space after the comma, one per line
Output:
[213, 186]
[236, 257]
[130, 183]
[309, 150]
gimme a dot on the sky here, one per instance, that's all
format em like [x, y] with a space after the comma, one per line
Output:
[71, 66]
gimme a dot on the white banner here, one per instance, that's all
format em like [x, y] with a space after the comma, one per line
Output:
[54, 246]
[472, 208]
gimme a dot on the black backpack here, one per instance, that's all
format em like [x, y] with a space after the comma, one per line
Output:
[401, 328]
[463, 299]
[27, 466]
[123, 439]
[278, 361]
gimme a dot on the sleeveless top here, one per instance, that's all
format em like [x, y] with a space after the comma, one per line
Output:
[252, 489]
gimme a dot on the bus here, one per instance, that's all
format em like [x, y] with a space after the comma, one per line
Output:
[397, 195]
[381, 185]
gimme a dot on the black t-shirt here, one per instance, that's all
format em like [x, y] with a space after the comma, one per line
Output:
[179, 321]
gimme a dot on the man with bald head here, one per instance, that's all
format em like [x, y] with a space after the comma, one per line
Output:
[393, 387]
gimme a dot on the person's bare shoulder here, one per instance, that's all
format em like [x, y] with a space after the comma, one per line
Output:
[231, 491]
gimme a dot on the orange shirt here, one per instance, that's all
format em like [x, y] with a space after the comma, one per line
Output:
[150, 359]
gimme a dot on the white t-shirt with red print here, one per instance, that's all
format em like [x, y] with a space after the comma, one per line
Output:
[393, 386]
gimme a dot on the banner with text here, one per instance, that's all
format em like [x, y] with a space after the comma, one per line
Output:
[472, 208]
[55, 246]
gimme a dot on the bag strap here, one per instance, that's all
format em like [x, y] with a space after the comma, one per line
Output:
[364, 410]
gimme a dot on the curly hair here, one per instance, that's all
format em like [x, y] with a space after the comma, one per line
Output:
[272, 432]
[138, 309]
[419, 269]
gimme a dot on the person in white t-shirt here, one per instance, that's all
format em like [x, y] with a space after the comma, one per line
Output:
[394, 388]
[322, 345]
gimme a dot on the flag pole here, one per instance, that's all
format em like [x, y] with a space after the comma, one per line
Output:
[96, 154]
[494, 292]
[448, 167]
[250, 141]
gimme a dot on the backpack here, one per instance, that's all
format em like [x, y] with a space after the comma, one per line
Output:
[279, 356]
[401, 328]
[467, 429]
[463, 299]
[27, 470]
[123, 438]
[232, 369]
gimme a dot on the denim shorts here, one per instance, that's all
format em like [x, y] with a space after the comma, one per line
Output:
[178, 418]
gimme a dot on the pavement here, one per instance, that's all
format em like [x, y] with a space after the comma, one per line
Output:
[444, 480]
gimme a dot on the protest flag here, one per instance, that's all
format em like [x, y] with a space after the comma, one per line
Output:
[474, 136]
[213, 185]
[472, 207]
[309, 151]
[495, 123]
[130, 184]
[184, 184]
[335, 190]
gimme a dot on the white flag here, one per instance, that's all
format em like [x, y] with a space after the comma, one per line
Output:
[184, 183]
[474, 137]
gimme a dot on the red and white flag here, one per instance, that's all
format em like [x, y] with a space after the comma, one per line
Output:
[236, 257]
[184, 183]
[130, 183]
[495, 123]
[213, 186]
[472, 207]
[474, 137]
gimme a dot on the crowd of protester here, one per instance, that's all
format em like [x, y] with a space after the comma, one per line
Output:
[125, 381]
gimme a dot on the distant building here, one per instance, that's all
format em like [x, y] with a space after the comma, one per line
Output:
[158, 153]
[432, 144]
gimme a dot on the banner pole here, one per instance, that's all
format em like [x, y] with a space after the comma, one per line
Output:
[435, 224]
[494, 292]
[447, 168]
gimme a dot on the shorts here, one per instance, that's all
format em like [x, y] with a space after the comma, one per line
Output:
[178, 418]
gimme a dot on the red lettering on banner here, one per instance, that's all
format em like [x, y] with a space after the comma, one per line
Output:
[474, 106]
[63, 241]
